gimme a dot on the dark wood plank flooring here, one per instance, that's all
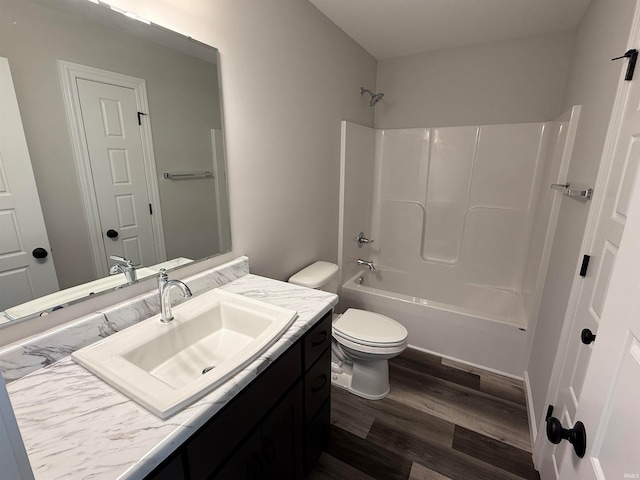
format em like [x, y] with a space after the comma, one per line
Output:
[442, 420]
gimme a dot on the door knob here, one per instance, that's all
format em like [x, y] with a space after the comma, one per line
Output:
[577, 435]
[111, 233]
[587, 336]
[39, 253]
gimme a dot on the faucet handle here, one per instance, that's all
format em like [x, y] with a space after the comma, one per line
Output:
[361, 240]
[122, 260]
[162, 279]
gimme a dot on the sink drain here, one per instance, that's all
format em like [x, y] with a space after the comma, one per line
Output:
[207, 369]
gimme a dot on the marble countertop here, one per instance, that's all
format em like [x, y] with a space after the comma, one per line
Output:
[75, 426]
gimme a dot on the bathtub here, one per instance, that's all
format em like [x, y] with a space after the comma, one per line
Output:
[473, 324]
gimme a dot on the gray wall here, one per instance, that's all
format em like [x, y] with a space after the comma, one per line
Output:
[510, 81]
[602, 34]
[289, 76]
[179, 87]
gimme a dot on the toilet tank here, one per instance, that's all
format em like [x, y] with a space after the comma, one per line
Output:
[319, 275]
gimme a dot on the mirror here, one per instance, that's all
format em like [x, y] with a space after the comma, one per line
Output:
[123, 124]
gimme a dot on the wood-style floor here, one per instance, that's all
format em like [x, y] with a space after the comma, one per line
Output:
[442, 420]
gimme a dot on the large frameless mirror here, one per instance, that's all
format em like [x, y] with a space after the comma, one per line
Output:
[111, 151]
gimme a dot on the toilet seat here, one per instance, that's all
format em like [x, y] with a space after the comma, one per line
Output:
[379, 350]
[368, 329]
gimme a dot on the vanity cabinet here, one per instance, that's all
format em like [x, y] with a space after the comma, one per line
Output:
[276, 428]
[317, 391]
[275, 449]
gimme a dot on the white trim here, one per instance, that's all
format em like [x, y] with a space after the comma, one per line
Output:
[341, 199]
[220, 179]
[533, 428]
[617, 114]
[69, 74]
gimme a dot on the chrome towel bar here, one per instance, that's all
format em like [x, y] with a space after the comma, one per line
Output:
[564, 188]
[186, 175]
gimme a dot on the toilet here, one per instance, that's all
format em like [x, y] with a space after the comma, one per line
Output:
[362, 342]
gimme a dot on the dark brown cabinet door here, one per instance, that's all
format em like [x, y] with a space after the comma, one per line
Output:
[281, 438]
[273, 452]
[246, 463]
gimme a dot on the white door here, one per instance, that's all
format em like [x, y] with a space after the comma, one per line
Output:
[611, 213]
[110, 120]
[22, 229]
[589, 309]
[610, 403]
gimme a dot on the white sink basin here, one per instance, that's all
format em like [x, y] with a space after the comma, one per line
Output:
[166, 366]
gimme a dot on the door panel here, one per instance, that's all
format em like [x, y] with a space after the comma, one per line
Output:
[120, 168]
[22, 229]
[618, 450]
[109, 116]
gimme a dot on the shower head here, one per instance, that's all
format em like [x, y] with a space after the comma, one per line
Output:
[375, 97]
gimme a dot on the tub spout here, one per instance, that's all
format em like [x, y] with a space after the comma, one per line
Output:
[368, 263]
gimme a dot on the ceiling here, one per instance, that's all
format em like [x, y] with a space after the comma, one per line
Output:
[392, 28]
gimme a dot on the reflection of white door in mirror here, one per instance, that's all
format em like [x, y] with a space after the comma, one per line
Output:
[114, 156]
[109, 117]
[22, 228]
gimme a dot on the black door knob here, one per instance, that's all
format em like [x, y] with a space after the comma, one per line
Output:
[39, 253]
[577, 435]
[587, 336]
[111, 233]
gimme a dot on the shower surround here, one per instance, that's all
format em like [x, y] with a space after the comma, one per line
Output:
[462, 219]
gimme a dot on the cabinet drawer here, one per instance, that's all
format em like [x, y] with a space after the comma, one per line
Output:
[317, 340]
[317, 385]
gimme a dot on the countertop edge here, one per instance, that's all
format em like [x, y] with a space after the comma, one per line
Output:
[101, 403]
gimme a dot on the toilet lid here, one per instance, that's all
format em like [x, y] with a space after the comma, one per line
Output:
[365, 327]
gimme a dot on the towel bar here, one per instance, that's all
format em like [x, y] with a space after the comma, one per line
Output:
[564, 188]
[186, 175]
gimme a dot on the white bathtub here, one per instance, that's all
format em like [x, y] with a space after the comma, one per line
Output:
[474, 324]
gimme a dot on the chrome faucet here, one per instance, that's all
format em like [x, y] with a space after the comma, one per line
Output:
[164, 287]
[368, 263]
[125, 266]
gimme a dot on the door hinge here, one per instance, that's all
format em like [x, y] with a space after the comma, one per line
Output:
[585, 265]
[632, 55]
[150, 210]
[140, 117]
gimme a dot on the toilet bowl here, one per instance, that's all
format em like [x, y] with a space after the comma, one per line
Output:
[362, 342]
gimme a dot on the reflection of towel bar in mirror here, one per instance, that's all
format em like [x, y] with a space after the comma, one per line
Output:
[186, 175]
[564, 188]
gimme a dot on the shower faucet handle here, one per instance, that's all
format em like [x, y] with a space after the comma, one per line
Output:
[361, 240]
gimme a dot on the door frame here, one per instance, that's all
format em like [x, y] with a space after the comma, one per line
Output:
[69, 74]
[586, 246]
